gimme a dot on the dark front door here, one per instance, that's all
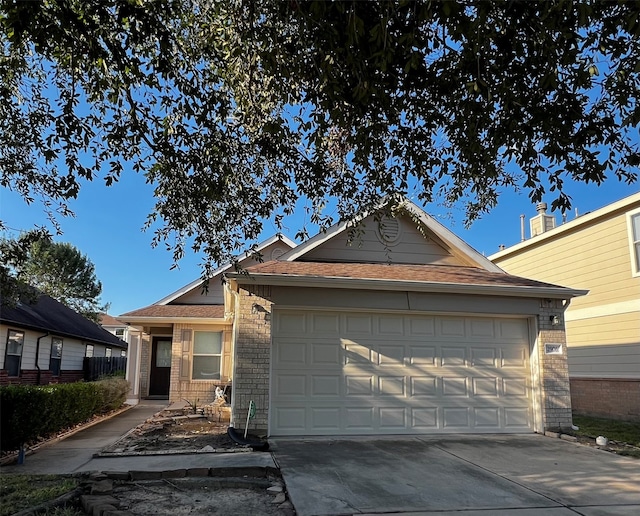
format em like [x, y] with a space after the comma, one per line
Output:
[160, 374]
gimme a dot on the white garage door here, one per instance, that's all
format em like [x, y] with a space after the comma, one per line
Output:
[345, 373]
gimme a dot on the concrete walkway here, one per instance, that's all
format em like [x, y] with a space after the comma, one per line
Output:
[75, 454]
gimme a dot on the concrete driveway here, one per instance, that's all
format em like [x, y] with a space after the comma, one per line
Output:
[480, 475]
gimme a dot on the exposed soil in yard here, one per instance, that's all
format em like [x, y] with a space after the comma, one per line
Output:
[616, 447]
[199, 496]
[177, 432]
[181, 436]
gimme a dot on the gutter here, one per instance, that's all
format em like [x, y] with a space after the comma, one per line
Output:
[408, 285]
[38, 356]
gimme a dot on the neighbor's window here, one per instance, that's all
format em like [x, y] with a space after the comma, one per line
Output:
[207, 355]
[123, 353]
[88, 352]
[56, 356]
[634, 237]
[119, 332]
[13, 357]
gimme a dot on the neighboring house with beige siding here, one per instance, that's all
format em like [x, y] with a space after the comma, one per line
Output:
[599, 252]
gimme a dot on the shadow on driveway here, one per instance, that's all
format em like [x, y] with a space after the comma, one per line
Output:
[493, 474]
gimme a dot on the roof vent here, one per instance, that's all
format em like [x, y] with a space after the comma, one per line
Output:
[541, 222]
[389, 230]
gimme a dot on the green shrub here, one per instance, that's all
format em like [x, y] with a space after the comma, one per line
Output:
[29, 412]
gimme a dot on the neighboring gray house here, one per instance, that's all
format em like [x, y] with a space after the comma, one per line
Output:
[44, 342]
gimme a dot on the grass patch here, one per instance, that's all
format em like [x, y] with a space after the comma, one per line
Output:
[621, 431]
[20, 492]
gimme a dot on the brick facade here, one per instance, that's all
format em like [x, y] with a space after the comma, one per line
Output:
[593, 396]
[30, 377]
[253, 356]
[553, 368]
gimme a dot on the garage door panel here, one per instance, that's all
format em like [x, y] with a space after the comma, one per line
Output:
[482, 328]
[355, 353]
[392, 419]
[423, 356]
[391, 325]
[421, 326]
[422, 386]
[452, 357]
[327, 418]
[359, 385]
[391, 386]
[514, 357]
[358, 325]
[360, 419]
[324, 324]
[451, 327]
[289, 385]
[486, 418]
[292, 353]
[325, 385]
[517, 418]
[485, 387]
[325, 354]
[398, 374]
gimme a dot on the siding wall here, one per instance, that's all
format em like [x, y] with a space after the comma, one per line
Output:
[603, 328]
[73, 350]
[215, 292]
[367, 247]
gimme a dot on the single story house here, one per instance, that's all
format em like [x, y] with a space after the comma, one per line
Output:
[403, 329]
[44, 342]
[598, 251]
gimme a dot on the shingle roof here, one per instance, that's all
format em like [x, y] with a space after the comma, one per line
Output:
[109, 320]
[197, 311]
[395, 272]
[47, 314]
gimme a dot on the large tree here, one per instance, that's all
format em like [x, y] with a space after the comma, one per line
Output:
[60, 270]
[236, 110]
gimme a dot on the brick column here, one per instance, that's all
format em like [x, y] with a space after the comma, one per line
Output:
[253, 357]
[554, 369]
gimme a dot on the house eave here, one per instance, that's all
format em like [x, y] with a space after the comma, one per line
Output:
[290, 280]
[583, 220]
[34, 327]
[154, 321]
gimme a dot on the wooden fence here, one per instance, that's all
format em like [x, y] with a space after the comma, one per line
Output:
[95, 367]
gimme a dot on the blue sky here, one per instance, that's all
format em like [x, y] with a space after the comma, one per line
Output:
[108, 228]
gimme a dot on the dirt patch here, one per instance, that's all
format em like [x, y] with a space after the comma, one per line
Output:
[175, 436]
[619, 448]
[200, 496]
[177, 432]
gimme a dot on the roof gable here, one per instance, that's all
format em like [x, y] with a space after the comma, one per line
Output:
[412, 237]
[192, 293]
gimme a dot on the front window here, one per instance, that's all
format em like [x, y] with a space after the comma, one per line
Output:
[634, 240]
[56, 356]
[207, 355]
[13, 357]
